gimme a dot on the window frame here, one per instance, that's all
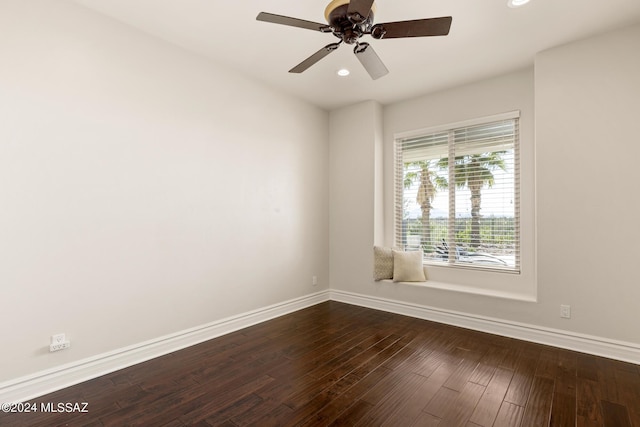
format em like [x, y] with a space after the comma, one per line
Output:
[450, 128]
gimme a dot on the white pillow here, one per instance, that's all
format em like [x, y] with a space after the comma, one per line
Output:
[407, 266]
[382, 263]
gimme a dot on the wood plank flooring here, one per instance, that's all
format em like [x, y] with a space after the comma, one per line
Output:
[341, 365]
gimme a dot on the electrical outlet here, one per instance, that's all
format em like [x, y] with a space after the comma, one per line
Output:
[59, 342]
[314, 280]
[58, 338]
[565, 311]
[59, 346]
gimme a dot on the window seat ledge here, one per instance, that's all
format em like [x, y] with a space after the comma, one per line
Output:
[465, 289]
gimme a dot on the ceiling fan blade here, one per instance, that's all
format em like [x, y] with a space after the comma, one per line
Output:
[314, 58]
[370, 60]
[292, 22]
[416, 28]
[359, 10]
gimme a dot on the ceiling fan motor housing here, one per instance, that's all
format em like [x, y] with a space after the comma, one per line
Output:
[348, 28]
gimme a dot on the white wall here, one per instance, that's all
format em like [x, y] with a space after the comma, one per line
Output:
[144, 190]
[587, 109]
[585, 99]
[355, 135]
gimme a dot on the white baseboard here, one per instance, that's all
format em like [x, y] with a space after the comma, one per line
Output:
[619, 350]
[44, 382]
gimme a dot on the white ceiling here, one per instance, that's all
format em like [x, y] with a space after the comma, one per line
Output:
[487, 38]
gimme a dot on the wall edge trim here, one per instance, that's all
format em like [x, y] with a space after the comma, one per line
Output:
[44, 382]
[47, 381]
[597, 346]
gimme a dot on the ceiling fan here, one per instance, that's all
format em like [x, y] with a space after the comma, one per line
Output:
[349, 21]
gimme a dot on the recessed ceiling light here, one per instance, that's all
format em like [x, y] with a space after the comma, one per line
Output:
[517, 3]
[343, 72]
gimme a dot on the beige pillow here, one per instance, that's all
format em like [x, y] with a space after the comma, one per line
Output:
[407, 266]
[382, 263]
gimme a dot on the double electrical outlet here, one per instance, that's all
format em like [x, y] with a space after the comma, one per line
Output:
[59, 342]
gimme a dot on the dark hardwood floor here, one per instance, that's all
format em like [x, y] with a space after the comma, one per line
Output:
[338, 364]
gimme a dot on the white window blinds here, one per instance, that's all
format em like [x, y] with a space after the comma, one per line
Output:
[462, 212]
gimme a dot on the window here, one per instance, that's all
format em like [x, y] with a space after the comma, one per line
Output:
[462, 212]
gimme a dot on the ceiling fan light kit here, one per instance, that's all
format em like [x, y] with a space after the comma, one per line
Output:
[349, 21]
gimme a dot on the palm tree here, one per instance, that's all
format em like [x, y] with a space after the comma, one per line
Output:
[429, 184]
[475, 171]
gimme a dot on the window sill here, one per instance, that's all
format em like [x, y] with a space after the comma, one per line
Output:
[465, 289]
